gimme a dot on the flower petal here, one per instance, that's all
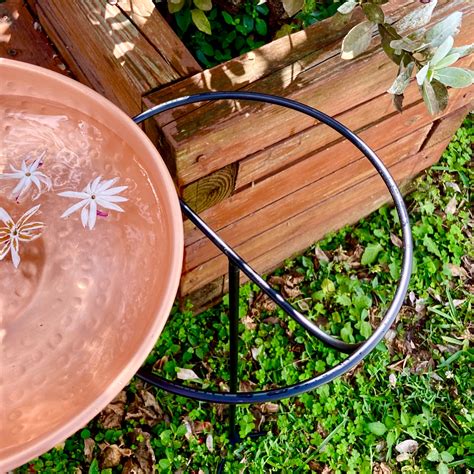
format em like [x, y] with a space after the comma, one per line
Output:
[95, 183]
[84, 216]
[14, 248]
[113, 198]
[18, 188]
[24, 218]
[5, 217]
[106, 185]
[24, 167]
[35, 164]
[5, 249]
[17, 175]
[92, 214]
[32, 227]
[74, 194]
[111, 191]
[45, 179]
[74, 207]
[109, 205]
[25, 188]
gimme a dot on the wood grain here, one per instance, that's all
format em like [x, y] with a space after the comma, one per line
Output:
[211, 189]
[308, 226]
[269, 229]
[316, 166]
[146, 17]
[223, 133]
[20, 40]
[109, 50]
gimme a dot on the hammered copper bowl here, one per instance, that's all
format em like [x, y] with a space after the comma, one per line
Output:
[84, 307]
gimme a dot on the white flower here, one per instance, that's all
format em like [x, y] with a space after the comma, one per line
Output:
[96, 193]
[12, 234]
[27, 176]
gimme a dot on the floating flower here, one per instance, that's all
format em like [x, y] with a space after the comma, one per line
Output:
[27, 176]
[12, 234]
[96, 193]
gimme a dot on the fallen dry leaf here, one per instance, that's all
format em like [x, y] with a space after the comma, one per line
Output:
[112, 415]
[210, 443]
[256, 352]
[89, 445]
[397, 241]
[144, 453]
[457, 271]
[112, 455]
[249, 323]
[145, 407]
[452, 206]
[321, 255]
[407, 446]
[403, 457]
[381, 468]
[186, 374]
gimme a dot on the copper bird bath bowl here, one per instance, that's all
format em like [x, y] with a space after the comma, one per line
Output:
[91, 246]
[81, 306]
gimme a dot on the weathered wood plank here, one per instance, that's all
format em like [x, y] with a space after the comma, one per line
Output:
[20, 40]
[125, 66]
[268, 59]
[347, 207]
[268, 224]
[211, 189]
[146, 17]
[219, 135]
[250, 201]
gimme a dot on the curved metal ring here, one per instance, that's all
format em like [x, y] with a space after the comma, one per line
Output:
[357, 351]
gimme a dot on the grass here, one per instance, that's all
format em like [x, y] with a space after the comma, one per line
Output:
[406, 408]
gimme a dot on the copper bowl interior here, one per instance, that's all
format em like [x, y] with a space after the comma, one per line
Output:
[85, 307]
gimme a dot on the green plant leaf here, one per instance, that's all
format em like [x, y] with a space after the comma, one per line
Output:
[347, 7]
[357, 41]
[94, 467]
[204, 5]
[450, 26]
[443, 468]
[261, 26]
[365, 329]
[433, 455]
[418, 18]
[422, 73]
[370, 254]
[175, 7]
[454, 77]
[201, 21]
[292, 7]
[402, 80]
[463, 50]
[377, 428]
[183, 19]
[442, 51]
[373, 12]
[447, 61]
[435, 96]
[447, 457]
[228, 18]
[406, 44]
[431, 246]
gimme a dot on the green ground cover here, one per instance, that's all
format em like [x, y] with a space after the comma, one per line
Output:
[406, 408]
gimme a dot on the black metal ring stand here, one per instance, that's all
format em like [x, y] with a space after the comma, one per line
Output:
[236, 264]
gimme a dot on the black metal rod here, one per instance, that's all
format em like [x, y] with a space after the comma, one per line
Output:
[357, 351]
[234, 294]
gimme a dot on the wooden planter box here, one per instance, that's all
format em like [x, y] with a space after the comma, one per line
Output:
[271, 181]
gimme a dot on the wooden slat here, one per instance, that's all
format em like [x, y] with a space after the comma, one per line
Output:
[246, 204]
[267, 221]
[345, 208]
[20, 40]
[112, 53]
[239, 72]
[144, 14]
[214, 136]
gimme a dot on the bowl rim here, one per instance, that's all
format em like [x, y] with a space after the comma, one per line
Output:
[41, 445]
